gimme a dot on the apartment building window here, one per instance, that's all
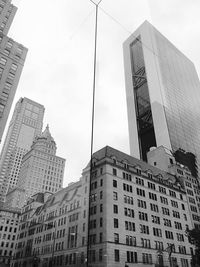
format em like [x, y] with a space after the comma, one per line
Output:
[164, 200]
[117, 255]
[127, 187]
[143, 216]
[159, 245]
[178, 225]
[3, 61]
[144, 229]
[131, 257]
[142, 204]
[115, 196]
[165, 211]
[140, 192]
[128, 200]
[129, 212]
[146, 243]
[176, 214]
[130, 226]
[100, 237]
[115, 209]
[162, 190]
[151, 186]
[155, 219]
[172, 193]
[116, 238]
[100, 254]
[130, 240]
[157, 232]
[101, 208]
[114, 183]
[184, 263]
[154, 207]
[114, 172]
[116, 224]
[167, 222]
[183, 206]
[152, 196]
[182, 249]
[169, 235]
[146, 258]
[127, 176]
[139, 181]
[101, 194]
[174, 204]
[193, 208]
[180, 237]
[101, 222]
[14, 67]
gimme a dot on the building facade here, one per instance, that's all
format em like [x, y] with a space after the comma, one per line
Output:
[9, 219]
[138, 216]
[12, 60]
[41, 170]
[163, 94]
[164, 160]
[25, 124]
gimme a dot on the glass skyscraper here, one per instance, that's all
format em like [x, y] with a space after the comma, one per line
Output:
[163, 95]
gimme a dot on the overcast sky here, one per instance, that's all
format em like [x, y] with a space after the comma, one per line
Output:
[58, 71]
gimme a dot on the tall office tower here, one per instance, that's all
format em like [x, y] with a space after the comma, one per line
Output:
[163, 96]
[25, 124]
[12, 57]
[41, 169]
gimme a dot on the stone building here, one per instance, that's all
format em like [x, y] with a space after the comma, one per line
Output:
[138, 216]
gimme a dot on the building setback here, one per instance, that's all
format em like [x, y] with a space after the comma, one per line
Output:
[9, 219]
[163, 96]
[138, 216]
[12, 57]
[25, 124]
[41, 170]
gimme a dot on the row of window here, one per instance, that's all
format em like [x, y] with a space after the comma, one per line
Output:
[150, 185]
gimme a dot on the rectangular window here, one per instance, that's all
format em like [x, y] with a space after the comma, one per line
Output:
[144, 229]
[114, 183]
[131, 257]
[117, 256]
[115, 196]
[114, 172]
[3, 61]
[115, 209]
[116, 238]
[146, 258]
[116, 224]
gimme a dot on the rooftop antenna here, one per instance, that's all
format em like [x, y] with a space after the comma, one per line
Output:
[92, 130]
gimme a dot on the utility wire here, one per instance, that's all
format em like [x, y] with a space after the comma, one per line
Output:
[81, 24]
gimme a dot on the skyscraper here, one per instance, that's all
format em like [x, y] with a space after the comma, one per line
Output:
[41, 169]
[12, 57]
[25, 124]
[163, 95]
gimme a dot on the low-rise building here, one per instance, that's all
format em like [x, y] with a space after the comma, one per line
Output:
[138, 215]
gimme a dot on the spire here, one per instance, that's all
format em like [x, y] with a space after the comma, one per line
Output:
[46, 134]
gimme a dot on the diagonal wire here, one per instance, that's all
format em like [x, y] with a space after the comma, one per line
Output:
[81, 24]
[115, 20]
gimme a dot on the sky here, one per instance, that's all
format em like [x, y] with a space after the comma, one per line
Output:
[58, 70]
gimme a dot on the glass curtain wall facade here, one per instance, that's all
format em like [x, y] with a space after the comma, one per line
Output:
[145, 125]
[174, 92]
